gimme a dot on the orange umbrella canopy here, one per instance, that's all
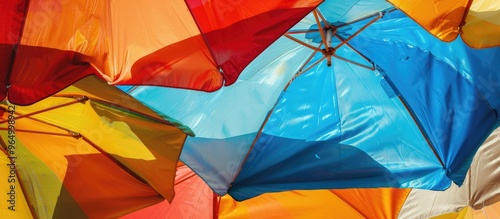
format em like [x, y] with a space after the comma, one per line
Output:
[477, 21]
[478, 198]
[185, 44]
[89, 151]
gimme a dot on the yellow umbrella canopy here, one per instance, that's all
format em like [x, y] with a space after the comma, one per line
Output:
[89, 151]
[477, 21]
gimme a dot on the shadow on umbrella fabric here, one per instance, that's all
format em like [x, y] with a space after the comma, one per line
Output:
[418, 106]
[301, 165]
[105, 152]
[169, 64]
[479, 197]
[195, 199]
[82, 191]
[67, 66]
[326, 163]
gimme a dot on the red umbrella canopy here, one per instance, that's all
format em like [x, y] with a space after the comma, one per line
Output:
[202, 45]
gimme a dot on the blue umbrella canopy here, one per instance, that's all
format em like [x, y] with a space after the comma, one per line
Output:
[355, 95]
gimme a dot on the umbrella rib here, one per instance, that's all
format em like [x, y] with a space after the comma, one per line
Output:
[323, 37]
[41, 132]
[466, 13]
[272, 109]
[301, 31]
[252, 145]
[4, 146]
[46, 109]
[80, 99]
[255, 140]
[353, 62]
[4, 150]
[107, 155]
[113, 105]
[28, 116]
[422, 131]
[302, 43]
[317, 15]
[301, 69]
[359, 31]
[300, 72]
[419, 126]
[365, 17]
[133, 111]
[267, 119]
[71, 133]
[327, 24]
[356, 51]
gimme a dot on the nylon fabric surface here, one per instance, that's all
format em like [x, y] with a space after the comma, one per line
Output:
[148, 43]
[477, 22]
[252, 136]
[95, 157]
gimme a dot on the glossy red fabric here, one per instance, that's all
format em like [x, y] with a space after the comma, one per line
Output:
[189, 44]
[237, 31]
[11, 17]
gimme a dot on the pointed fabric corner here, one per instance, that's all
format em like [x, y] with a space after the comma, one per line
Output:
[91, 151]
[477, 22]
[152, 42]
[251, 24]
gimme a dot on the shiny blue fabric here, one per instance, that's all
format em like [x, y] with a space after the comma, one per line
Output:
[344, 11]
[453, 112]
[226, 121]
[342, 126]
[338, 127]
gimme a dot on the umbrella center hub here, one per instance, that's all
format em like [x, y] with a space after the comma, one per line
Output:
[329, 50]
